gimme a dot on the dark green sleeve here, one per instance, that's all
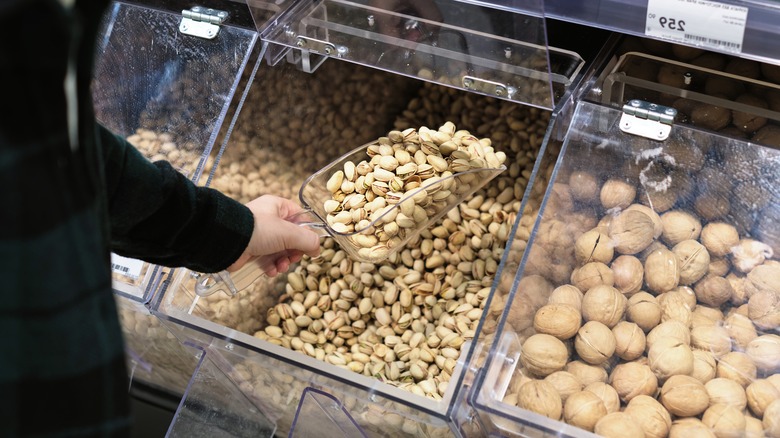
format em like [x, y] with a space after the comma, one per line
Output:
[159, 216]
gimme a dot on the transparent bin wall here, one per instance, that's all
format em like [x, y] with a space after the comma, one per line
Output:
[292, 124]
[695, 275]
[168, 94]
[213, 406]
[497, 50]
[725, 94]
[155, 356]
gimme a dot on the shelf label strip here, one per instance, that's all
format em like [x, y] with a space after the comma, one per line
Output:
[701, 23]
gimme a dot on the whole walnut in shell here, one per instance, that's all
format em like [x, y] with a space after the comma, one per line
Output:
[674, 306]
[604, 304]
[772, 419]
[540, 397]
[631, 231]
[586, 372]
[724, 420]
[704, 366]
[559, 320]
[631, 379]
[764, 309]
[740, 329]
[651, 416]
[738, 367]
[764, 278]
[714, 339]
[693, 261]
[644, 310]
[726, 392]
[594, 343]
[543, 354]
[618, 425]
[565, 383]
[584, 186]
[584, 409]
[690, 427]
[658, 226]
[719, 238]
[627, 274]
[662, 272]
[593, 246]
[680, 225]
[629, 340]
[765, 352]
[592, 274]
[704, 315]
[567, 294]
[607, 394]
[668, 357]
[713, 291]
[760, 393]
[617, 194]
[671, 329]
[684, 396]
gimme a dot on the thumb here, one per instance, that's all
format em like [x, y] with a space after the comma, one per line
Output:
[297, 237]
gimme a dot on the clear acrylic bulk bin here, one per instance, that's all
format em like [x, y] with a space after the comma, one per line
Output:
[302, 111]
[645, 137]
[168, 93]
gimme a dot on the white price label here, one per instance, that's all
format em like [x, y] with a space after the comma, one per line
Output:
[707, 24]
[126, 266]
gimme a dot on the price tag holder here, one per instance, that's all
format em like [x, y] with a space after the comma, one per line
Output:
[126, 266]
[702, 23]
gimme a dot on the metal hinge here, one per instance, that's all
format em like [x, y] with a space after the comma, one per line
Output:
[488, 87]
[647, 119]
[202, 22]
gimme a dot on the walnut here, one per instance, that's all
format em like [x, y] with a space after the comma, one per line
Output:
[693, 260]
[765, 352]
[586, 373]
[629, 340]
[631, 379]
[628, 274]
[651, 416]
[714, 339]
[738, 367]
[565, 383]
[704, 315]
[713, 291]
[543, 354]
[644, 310]
[662, 272]
[764, 310]
[762, 278]
[719, 238]
[740, 293]
[684, 396]
[760, 393]
[593, 246]
[704, 366]
[594, 343]
[727, 392]
[658, 226]
[754, 428]
[740, 329]
[607, 394]
[592, 274]
[678, 226]
[674, 306]
[669, 330]
[567, 294]
[724, 420]
[540, 397]
[617, 194]
[719, 267]
[584, 186]
[772, 419]
[584, 409]
[631, 231]
[559, 320]
[668, 357]
[618, 425]
[690, 427]
[604, 304]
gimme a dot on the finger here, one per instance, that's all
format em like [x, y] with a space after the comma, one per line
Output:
[299, 238]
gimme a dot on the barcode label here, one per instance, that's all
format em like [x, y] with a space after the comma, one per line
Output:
[701, 23]
[126, 266]
[714, 42]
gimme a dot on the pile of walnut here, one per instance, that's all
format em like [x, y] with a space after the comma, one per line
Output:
[410, 177]
[666, 326]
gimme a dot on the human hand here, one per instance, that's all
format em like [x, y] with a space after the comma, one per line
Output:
[276, 240]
